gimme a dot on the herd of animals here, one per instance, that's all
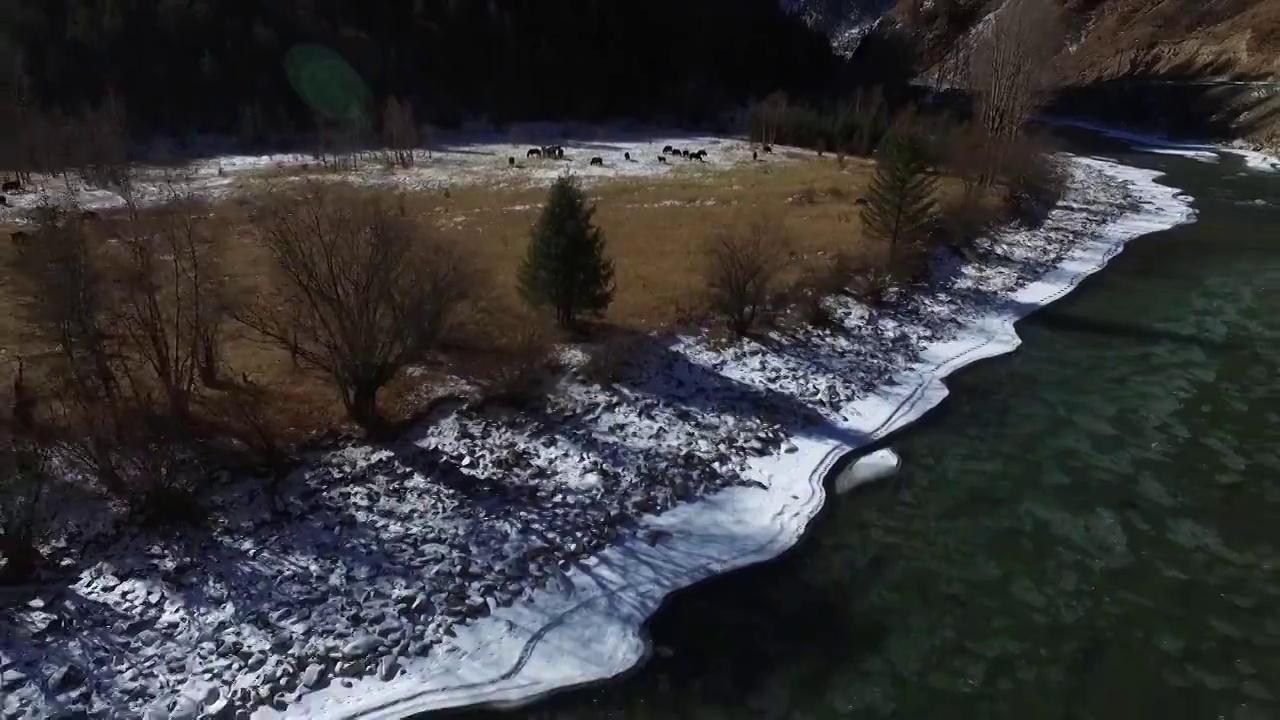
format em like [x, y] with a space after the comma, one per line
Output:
[556, 152]
[553, 152]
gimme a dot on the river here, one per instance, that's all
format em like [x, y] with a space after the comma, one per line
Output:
[1087, 528]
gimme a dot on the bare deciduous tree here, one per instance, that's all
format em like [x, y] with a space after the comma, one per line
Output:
[364, 291]
[742, 267]
[23, 478]
[103, 151]
[67, 294]
[68, 298]
[399, 132]
[1010, 64]
[169, 299]
[774, 113]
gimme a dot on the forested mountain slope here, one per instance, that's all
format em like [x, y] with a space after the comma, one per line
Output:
[182, 66]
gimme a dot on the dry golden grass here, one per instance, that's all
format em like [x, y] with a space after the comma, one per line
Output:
[656, 231]
[656, 228]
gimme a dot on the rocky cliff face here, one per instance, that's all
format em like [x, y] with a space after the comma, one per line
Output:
[1207, 66]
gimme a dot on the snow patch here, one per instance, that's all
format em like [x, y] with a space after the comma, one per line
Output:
[1160, 145]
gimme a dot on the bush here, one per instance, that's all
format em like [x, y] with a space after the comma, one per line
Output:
[1033, 179]
[742, 268]
[874, 287]
[965, 218]
[565, 268]
[524, 369]
[363, 292]
[813, 288]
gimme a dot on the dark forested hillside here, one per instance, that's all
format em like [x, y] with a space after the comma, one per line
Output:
[183, 66]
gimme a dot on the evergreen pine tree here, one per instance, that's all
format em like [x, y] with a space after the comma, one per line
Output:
[566, 268]
[900, 203]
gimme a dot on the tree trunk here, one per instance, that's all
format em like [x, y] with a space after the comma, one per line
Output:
[208, 361]
[363, 406]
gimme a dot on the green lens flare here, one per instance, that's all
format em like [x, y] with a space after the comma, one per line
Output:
[327, 83]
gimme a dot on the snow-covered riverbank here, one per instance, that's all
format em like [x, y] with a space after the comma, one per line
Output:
[1207, 152]
[496, 558]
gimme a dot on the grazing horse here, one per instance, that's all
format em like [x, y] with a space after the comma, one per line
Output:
[667, 149]
[662, 159]
[597, 161]
[553, 151]
[533, 152]
[701, 154]
[755, 155]
[768, 148]
[511, 162]
[11, 186]
[627, 155]
[684, 154]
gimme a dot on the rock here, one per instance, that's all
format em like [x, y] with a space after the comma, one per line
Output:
[281, 641]
[217, 708]
[65, 677]
[313, 676]
[790, 448]
[11, 679]
[349, 669]
[149, 638]
[388, 667]
[361, 646]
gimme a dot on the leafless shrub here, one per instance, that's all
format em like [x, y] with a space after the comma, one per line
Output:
[399, 132]
[817, 282]
[363, 292]
[103, 149]
[23, 477]
[523, 369]
[252, 436]
[67, 294]
[742, 268]
[168, 301]
[873, 286]
[968, 149]
[1033, 179]
[774, 111]
[965, 218]
[342, 144]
